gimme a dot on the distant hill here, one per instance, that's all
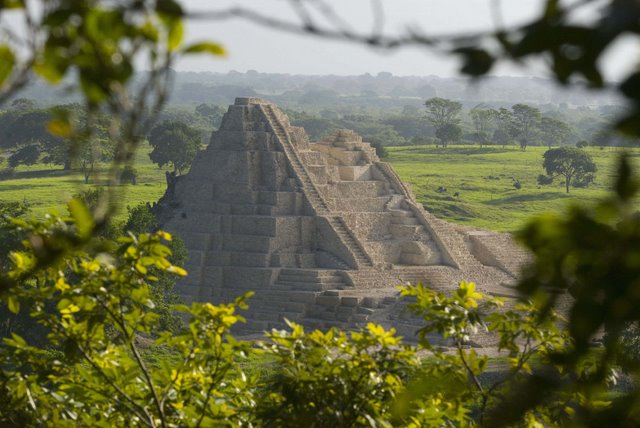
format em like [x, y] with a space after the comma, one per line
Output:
[383, 90]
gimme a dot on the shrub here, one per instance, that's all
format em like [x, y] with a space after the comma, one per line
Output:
[544, 180]
[130, 175]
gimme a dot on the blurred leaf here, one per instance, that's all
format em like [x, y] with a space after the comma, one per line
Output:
[7, 61]
[476, 62]
[13, 303]
[205, 47]
[60, 128]
[82, 217]
[175, 34]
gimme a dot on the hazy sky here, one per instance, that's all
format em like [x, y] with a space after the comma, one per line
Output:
[253, 47]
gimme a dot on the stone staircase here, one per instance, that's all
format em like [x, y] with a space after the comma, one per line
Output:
[349, 309]
[291, 296]
[317, 202]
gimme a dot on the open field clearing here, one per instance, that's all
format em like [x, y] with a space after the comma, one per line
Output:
[483, 178]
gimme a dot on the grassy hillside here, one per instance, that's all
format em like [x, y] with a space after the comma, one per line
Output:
[483, 178]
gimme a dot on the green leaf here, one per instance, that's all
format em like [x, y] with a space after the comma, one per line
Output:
[60, 128]
[205, 47]
[82, 216]
[13, 304]
[169, 7]
[11, 4]
[7, 61]
[175, 34]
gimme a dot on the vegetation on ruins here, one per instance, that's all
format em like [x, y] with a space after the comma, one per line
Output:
[93, 296]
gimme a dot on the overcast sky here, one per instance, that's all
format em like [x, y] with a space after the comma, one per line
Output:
[251, 46]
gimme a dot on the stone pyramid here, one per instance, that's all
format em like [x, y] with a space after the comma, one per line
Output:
[322, 232]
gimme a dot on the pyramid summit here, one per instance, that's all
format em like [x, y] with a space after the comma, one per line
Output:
[322, 232]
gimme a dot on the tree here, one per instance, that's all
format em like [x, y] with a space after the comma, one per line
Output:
[174, 143]
[503, 120]
[27, 155]
[553, 131]
[443, 114]
[482, 120]
[449, 133]
[441, 111]
[213, 113]
[524, 124]
[569, 162]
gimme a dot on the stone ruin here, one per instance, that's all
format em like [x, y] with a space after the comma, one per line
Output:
[322, 232]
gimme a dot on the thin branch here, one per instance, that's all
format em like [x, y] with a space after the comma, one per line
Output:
[378, 18]
[384, 42]
[330, 14]
[149, 420]
[475, 379]
[302, 12]
[147, 377]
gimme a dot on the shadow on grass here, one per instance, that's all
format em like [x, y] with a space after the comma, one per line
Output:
[545, 196]
[457, 211]
[458, 150]
[42, 173]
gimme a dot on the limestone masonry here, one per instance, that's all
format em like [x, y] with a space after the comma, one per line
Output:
[322, 232]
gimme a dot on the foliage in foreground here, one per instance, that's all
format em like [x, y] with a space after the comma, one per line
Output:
[94, 300]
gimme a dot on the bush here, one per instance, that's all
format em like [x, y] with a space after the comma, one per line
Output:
[130, 175]
[381, 151]
[584, 181]
[544, 180]
[7, 173]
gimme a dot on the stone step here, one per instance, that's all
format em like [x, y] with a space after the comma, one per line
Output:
[310, 273]
[404, 220]
[405, 230]
[298, 286]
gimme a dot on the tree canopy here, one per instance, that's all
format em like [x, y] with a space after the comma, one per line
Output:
[174, 143]
[570, 163]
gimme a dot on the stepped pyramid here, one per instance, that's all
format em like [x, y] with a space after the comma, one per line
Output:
[322, 232]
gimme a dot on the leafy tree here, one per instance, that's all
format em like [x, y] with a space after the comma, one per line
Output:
[553, 131]
[569, 162]
[443, 114]
[381, 150]
[503, 120]
[408, 126]
[25, 126]
[142, 220]
[213, 113]
[27, 155]
[482, 121]
[387, 136]
[524, 124]
[449, 133]
[441, 111]
[174, 143]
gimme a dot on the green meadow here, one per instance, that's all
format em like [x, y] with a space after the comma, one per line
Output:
[47, 187]
[483, 178]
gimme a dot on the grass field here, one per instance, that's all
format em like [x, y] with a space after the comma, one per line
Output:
[48, 187]
[483, 178]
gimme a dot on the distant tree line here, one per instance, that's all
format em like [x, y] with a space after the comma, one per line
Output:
[34, 134]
